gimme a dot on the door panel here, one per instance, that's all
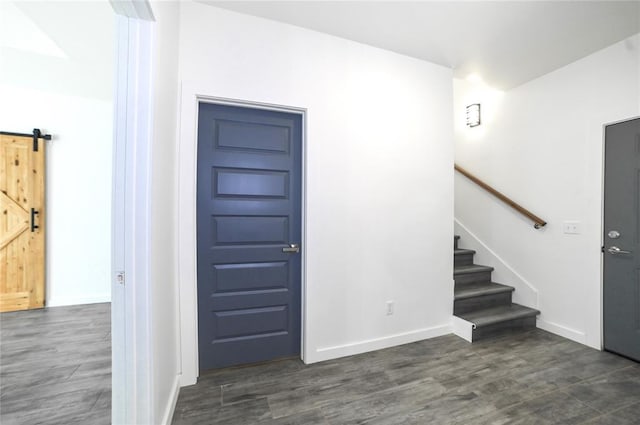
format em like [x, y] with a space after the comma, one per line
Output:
[252, 276]
[250, 230]
[622, 239]
[268, 184]
[248, 210]
[21, 247]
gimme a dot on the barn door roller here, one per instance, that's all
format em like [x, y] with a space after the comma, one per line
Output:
[38, 135]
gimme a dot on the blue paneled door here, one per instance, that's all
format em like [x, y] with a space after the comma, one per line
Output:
[248, 216]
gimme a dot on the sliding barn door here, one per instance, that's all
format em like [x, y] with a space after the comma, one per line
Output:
[21, 222]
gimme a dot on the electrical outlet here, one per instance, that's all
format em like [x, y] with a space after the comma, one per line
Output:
[389, 308]
[571, 227]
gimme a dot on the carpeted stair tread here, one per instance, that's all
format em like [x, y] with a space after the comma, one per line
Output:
[500, 314]
[472, 290]
[473, 268]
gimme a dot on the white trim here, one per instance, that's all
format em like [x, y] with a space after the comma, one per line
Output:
[462, 328]
[135, 9]
[167, 416]
[351, 349]
[186, 229]
[120, 393]
[563, 331]
[131, 332]
[502, 262]
[249, 104]
[304, 335]
[621, 121]
[138, 288]
[92, 299]
[602, 177]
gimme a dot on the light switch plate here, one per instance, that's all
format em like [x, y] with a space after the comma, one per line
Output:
[571, 227]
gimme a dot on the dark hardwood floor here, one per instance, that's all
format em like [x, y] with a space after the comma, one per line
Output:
[55, 366]
[529, 378]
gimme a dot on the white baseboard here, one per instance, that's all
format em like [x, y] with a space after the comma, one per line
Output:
[76, 300]
[360, 347]
[462, 328]
[171, 404]
[562, 331]
[185, 380]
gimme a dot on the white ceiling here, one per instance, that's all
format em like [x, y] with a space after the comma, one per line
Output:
[507, 43]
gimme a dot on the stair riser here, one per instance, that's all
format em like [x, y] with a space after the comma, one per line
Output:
[478, 303]
[502, 328]
[462, 259]
[482, 276]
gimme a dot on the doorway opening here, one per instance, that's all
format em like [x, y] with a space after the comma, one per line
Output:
[57, 76]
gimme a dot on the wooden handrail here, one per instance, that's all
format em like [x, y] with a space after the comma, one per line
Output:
[538, 222]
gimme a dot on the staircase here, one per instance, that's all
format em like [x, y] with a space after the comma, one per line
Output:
[485, 304]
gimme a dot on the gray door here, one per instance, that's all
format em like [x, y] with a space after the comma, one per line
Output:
[248, 215]
[622, 239]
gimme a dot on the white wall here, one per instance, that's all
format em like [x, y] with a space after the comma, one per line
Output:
[542, 144]
[37, 91]
[165, 320]
[379, 195]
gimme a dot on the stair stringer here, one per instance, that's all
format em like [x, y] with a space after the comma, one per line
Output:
[525, 294]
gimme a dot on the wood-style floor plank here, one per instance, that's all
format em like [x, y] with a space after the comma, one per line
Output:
[55, 365]
[529, 378]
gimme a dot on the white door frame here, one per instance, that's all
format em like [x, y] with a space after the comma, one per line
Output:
[130, 306]
[187, 230]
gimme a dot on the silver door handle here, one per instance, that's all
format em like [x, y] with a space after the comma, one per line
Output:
[292, 248]
[615, 251]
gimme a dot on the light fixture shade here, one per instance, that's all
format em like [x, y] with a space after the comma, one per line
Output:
[473, 115]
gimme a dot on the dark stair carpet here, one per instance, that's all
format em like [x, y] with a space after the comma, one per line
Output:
[486, 304]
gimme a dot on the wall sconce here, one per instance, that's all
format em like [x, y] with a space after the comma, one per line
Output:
[473, 115]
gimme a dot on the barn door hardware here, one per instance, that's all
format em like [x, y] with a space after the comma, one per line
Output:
[34, 226]
[38, 135]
